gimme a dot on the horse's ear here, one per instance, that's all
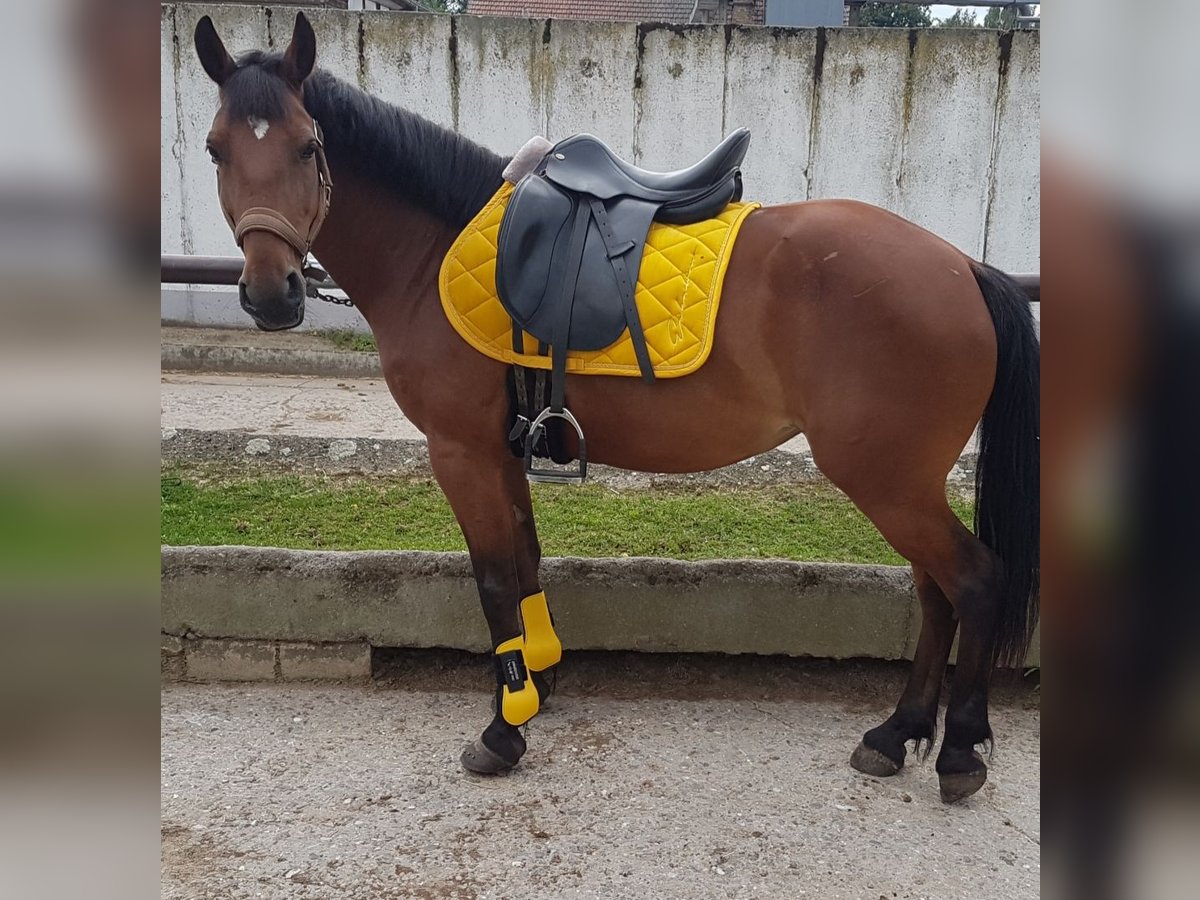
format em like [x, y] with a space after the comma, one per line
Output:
[213, 56]
[301, 54]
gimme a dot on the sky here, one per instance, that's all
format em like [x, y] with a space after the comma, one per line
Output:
[941, 10]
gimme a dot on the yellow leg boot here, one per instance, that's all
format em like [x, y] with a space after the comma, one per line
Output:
[519, 698]
[543, 649]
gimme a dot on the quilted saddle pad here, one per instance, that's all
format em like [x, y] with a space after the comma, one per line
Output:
[678, 292]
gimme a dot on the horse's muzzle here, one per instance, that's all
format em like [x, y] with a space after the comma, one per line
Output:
[274, 309]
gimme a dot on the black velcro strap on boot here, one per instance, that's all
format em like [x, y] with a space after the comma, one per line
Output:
[510, 670]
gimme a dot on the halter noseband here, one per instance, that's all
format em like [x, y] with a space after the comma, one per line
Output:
[262, 218]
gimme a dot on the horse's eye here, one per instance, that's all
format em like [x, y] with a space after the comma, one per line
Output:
[308, 152]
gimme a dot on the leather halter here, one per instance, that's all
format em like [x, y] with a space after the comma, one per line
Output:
[263, 218]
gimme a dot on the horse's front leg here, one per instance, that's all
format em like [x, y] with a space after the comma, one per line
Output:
[490, 499]
[543, 649]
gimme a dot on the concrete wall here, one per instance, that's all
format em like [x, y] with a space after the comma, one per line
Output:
[419, 599]
[941, 126]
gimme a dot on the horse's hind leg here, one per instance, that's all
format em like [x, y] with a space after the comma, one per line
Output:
[882, 751]
[968, 574]
[957, 576]
[975, 582]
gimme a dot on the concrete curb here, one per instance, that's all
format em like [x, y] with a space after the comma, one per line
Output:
[200, 357]
[232, 659]
[421, 599]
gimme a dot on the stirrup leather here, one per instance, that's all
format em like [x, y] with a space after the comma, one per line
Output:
[518, 697]
[543, 649]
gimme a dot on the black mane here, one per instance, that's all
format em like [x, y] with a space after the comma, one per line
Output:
[418, 161]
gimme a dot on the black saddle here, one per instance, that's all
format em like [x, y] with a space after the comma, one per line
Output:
[570, 248]
[587, 165]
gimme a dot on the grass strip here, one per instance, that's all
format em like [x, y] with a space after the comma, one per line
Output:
[345, 339]
[809, 522]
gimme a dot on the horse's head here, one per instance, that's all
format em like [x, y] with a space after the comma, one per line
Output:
[272, 178]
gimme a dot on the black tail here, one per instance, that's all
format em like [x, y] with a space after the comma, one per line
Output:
[1008, 473]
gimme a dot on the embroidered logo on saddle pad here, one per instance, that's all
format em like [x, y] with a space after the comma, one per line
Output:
[678, 292]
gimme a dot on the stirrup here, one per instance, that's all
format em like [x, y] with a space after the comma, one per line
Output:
[554, 476]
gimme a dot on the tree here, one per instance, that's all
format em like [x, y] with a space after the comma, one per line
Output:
[894, 15]
[962, 18]
[1005, 18]
[450, 6]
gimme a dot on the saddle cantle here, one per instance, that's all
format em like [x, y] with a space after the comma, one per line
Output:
[571, 243]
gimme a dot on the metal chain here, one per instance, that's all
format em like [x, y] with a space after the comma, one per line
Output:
[312, 291]
[314, 279]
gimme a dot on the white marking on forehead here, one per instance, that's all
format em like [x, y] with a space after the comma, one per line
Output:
[260, 127]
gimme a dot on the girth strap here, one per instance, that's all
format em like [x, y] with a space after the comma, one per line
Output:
[562, 328]
[524, 412]
[616, 255]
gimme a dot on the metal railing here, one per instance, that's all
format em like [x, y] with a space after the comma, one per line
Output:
[201, 269]
[227, 270]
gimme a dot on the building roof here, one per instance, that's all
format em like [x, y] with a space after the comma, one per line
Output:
[607, 10]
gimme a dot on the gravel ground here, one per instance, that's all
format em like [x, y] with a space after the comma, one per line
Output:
[647, 776]
[262, 454]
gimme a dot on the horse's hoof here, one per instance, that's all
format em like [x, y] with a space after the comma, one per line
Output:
[478, 759]
[957, 786]
[870, 761]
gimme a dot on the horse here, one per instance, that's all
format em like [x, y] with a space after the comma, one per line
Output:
[881, 342]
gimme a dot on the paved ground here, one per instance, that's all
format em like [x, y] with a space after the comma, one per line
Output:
[663, 776]
[283, 405]
[329, 408]
[351, 424]
[295, 341]
[333, 425]
[343, 425]
[294, 405]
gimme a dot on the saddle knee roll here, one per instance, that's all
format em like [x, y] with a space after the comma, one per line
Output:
[518, 696]
[543, 649]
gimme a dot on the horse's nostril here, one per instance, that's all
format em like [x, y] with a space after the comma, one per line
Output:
[295, 288]
[272, 303]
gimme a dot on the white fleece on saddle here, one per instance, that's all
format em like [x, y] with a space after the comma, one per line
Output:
[527, 157]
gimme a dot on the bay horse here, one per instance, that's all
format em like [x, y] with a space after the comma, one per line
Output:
[881, 342]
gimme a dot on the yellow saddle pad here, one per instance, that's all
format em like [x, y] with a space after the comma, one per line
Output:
[678, 291]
